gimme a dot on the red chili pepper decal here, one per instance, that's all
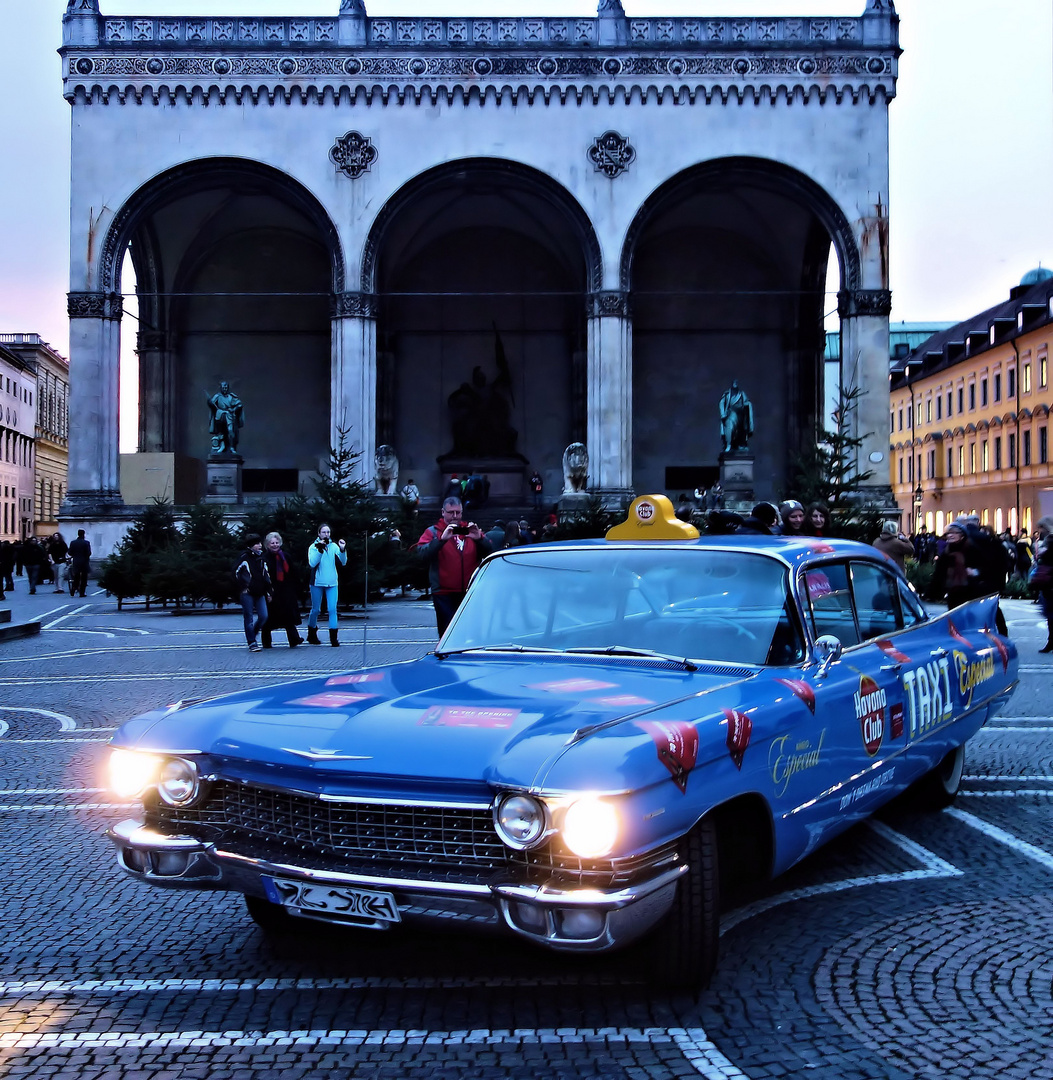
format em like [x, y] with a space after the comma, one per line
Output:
[802, 690]
[677, 743]
[740, 728]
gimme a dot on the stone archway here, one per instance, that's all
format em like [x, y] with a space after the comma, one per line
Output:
[481, 271]
[236, 264]
[725, 265]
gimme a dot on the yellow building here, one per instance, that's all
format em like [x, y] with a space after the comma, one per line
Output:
[51, 442]
[969, 417]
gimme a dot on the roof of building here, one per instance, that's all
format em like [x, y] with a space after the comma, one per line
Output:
[1033, 277]
[911, 334]
[1028, 306]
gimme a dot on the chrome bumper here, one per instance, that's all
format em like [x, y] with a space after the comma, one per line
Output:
[569, 919]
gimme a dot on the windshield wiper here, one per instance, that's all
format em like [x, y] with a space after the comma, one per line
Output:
[510, 647]
[624, 650]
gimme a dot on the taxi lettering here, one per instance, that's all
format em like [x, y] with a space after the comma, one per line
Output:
[928, 690]
[785, 762]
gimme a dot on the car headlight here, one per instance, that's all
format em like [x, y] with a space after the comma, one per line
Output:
[590, 827]
[132, 772]
[178, 783]
[519, 820]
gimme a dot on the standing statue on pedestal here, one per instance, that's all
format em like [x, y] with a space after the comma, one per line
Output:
[386, 470]
[226, 419]
[736, 419]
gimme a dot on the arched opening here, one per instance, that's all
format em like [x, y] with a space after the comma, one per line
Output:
[481, 269]
[234, 266]
[727, 267]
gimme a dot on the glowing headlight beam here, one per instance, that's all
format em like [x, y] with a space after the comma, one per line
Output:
[590, 827]
[132, 772]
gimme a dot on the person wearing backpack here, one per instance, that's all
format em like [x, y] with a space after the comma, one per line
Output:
[254, 588]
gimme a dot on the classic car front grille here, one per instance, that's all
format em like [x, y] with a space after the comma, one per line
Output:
[426, 842]
[373, 832]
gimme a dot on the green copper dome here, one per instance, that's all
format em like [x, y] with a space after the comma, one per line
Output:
[1033, 277]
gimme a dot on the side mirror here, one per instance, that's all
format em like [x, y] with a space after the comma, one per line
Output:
[827, 651]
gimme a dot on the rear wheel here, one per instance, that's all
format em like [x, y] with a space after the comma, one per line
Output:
[683, 950]
[936, 790]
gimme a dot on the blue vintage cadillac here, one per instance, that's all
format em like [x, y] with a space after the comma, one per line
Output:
[607, 730]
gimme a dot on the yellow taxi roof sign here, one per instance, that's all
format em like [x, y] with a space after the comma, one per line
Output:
[651, 517]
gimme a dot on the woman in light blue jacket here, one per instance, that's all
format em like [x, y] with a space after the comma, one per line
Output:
[322, 557]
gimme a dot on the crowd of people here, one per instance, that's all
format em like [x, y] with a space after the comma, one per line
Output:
[46, 560]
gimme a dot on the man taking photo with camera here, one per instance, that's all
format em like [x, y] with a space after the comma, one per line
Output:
[451, 549]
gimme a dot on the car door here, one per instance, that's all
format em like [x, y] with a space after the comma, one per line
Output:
[859, 701]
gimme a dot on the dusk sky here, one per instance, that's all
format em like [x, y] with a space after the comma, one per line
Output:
[971, 140]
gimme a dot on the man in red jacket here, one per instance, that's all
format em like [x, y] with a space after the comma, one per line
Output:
[451, 549]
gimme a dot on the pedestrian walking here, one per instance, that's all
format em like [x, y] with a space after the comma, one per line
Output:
[7, 565]
[79, 564]
[34, 558]
[1042, 575]
[894, 544]
[323, 556]
[58, 551]
[254, 586]
[283, 611]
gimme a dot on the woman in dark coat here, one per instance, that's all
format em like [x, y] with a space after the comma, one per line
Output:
[284, 610]
[817, 520]
[1043, 579]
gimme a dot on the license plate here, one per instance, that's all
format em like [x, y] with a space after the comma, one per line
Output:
[351, 903]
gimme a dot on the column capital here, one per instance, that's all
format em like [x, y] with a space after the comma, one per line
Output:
[150, 341]
[347, 305]
[852, 302]
[94, 305]
[607, 303]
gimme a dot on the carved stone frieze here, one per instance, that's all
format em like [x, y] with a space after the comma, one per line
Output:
[82, 7]
[611, 154]
[353, 154]
[467, 66]
[94, 305]
[607, 303]
[864, 302]
[347, 305]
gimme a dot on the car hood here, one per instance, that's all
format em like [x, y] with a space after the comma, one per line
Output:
[455, 720]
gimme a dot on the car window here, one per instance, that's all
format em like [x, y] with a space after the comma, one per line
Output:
[829, 603]
[876, 593]
[913, 612]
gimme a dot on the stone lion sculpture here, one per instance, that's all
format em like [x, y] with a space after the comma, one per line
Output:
[575, 468]
[386, 470]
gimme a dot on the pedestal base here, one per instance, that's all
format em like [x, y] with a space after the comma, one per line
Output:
[736, 477]
[573, 504]
[504, 475]
[223, 480]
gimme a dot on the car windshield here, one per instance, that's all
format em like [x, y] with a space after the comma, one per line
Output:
[684, 602]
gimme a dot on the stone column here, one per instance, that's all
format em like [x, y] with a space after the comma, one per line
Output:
[865, 362]
[94, 347]
[610, 392]
[155, 393]
[354, 376]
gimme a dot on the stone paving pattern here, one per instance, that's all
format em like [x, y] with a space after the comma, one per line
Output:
[946, 973]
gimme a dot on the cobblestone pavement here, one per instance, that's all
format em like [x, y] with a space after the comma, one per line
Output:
[913, 946]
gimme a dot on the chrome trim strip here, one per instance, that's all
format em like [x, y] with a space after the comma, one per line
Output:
[586, 897]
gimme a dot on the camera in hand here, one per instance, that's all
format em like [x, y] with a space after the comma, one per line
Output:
[462, 528]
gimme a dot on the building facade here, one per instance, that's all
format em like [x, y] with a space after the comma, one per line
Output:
[51, 427]
[969, 417]
[474, 240]
[18, 396]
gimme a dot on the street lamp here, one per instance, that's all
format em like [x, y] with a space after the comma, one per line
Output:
[919, 498]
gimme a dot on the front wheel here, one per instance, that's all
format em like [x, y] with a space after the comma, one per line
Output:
[937, 789]
[683, 950]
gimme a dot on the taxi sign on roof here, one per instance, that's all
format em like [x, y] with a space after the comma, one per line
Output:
[651, 517]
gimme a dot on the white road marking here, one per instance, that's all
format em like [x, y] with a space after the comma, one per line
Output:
[44, 615]
[1032, 669]
[18, 742]
[66, 723]
[1022, 847]
[702, 1054]
[1033, 728]
[51, 791]
[1004, 794]
[25, 807]
[74, 630]
[1009, 779]
[933, 867]
[76, 654]
[61, 618]
[1016, 719]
